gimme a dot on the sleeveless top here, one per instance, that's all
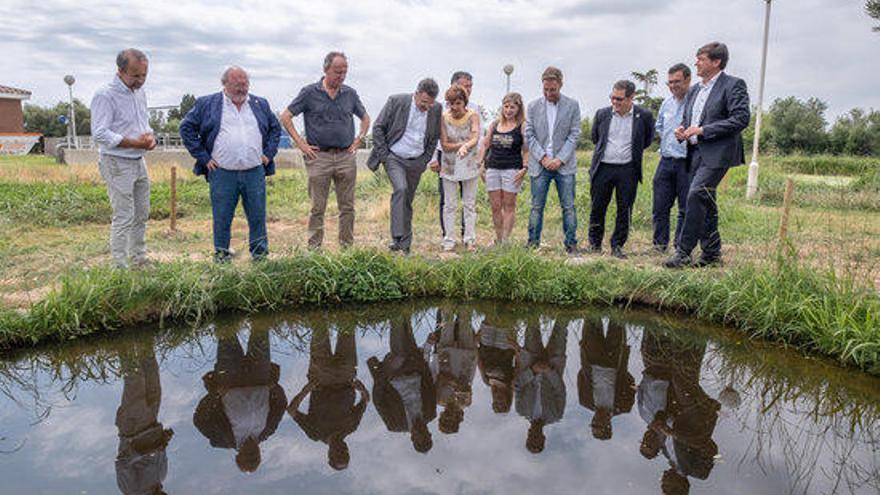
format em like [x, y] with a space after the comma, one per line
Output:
[505, 150]
[459, 131]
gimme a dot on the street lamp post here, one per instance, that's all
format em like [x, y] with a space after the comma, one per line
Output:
[508, 70]
[752, 183]
[69, 80]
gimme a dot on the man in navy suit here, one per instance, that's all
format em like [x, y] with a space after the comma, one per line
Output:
[621, 133]
[234, 137]
[716, 112]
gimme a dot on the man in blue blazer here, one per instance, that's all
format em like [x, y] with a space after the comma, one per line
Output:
[716, 112]
[553, 125]
[234, 138]
[621, 133]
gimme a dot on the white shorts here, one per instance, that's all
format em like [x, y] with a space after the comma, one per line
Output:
[502, 179]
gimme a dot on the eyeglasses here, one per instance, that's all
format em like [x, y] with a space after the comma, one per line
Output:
[674, 82]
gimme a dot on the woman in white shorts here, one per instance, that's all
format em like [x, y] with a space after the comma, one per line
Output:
[503, 159]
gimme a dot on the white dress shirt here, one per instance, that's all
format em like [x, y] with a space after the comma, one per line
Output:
[618, 148]
[412, 143]
[239, 144]
[551, 109]
[117, 112]
[247, 409]
[700, 103]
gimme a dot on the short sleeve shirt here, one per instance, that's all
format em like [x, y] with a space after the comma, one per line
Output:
[328, 121]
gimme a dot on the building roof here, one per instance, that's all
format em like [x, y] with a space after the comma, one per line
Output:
[14, 93]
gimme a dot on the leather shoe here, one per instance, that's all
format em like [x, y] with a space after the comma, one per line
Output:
[594, 249]
[617, 252]
[704, 262]
[572, 250]
[678, 260]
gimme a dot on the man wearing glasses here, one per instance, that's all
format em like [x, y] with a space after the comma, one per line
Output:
[621, 133]
[671, 178]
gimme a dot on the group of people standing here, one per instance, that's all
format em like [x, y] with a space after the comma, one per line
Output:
[413, 385]
[233, 136]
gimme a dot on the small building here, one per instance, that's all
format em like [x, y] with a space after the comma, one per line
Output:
[13, 139]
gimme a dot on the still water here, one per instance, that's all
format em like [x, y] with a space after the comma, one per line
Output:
[435, 397]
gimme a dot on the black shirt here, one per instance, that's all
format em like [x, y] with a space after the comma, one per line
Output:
[505, 150]
[328, 120]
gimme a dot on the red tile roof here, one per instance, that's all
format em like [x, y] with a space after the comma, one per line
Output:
[13, 91]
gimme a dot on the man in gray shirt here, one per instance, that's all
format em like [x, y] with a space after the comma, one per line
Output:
[330, 145]
[121, 127]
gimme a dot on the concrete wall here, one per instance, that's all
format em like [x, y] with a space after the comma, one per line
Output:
[286, 158]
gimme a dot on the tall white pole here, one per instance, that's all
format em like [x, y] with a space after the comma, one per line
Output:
[752, 183]
[72, 117]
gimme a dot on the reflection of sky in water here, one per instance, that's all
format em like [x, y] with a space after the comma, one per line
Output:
[73, 449]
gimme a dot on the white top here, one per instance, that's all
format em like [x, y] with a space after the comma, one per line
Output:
[410, 389]
[603, 386]
[618, 149]
[412, 143]
[652, 397]
[700, 103]
[478, 109]
[116, 113]
[551, 110]
[247, 409]
[239, 144]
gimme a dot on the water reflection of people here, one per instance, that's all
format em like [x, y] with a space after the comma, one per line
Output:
[141, 462]
[540, 391]
[681, 417]
[403, 388]
[334, 409]
[605, 385]
[244, 403]
[453, 362]
[496, 358]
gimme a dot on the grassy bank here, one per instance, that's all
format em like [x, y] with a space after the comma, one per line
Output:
[781, 302]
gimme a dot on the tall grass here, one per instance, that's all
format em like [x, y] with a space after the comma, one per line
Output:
[818, 313]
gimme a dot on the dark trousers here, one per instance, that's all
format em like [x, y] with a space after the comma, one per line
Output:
[671, 183]
[701, 216]
[443, 201]
[621, 180]
[404, 174]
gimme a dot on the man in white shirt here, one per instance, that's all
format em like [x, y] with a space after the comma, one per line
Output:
[120, 126]
[233, 135]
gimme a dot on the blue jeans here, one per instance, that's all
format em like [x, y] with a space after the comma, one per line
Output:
[226, 187]
[565, 185]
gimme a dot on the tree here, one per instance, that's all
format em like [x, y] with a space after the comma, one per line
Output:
[643, 95]
[45, 119]
[186, 103]
[798, 125]
[584, 141]
[872, 8]
[856, 133]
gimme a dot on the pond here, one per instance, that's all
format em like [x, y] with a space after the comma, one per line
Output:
[435, 397]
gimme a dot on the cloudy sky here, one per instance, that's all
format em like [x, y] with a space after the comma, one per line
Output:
[822, 48]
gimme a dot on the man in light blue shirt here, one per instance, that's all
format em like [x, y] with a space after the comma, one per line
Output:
[120, 126]
[671, 181]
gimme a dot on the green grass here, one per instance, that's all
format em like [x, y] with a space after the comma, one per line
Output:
[818, 313]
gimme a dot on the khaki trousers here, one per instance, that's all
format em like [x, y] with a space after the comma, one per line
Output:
[339, 167]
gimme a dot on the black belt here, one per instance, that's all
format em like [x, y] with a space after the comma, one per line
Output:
[616, 164]
[673, 158]
[330, 149]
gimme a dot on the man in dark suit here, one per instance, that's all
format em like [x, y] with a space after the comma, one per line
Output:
[244, 403]
[716, 112]
[234, 137]
[621, 133]
[605, 385]
[404, 138]
[403, 386]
